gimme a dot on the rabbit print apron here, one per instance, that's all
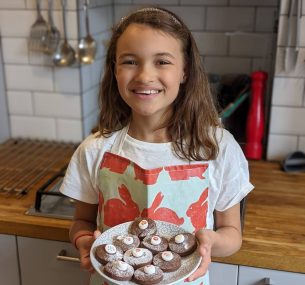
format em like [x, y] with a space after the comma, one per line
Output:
[177, 194]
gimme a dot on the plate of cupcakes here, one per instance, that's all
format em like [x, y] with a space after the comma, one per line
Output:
[146, 252]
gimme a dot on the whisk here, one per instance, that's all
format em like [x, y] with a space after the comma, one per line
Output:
[39, 32]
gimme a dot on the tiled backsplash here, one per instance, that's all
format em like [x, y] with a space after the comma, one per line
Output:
[234, 36]
[287, 122]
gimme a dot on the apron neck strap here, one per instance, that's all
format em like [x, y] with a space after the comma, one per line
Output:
[119, 141]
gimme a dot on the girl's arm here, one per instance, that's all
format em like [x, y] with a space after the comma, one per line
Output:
[224, 241]
[82, 231]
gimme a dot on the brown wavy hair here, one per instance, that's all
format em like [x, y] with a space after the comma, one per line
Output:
[192, 124]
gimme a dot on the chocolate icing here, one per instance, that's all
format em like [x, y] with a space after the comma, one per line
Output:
[142, 233]
[143, 278]
[111, 270]
[185, 248]
[167, 266]
[103, 257]
[155, 248]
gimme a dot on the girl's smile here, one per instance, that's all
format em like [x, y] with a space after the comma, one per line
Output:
[149, 70]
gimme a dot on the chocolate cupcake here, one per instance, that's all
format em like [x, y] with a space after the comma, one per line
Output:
[168, 261]
[138, 257]
[143, 227]
[126, 242]
[107, 252]
[148, 275]
[183, 244]
[155, 243]
[119, 270]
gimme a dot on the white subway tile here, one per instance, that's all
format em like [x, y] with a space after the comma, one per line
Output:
[288, 91]
[250, 44]
[121, 11]
[90, 101]
[67, 80]
[33, 127]
[90, 122]
[91, 74]
[284, 7]
[302, 31]
[20, 103]
[71, 5]
[211, 43]
[193, 16]
[16, 23]
[100, 20]
[86, 77]
[287, 121]
[156, 2]
[301, 144]
[265, 18]
[9, 4]
[227, 65]
[204, 2]
[69, 130]
[15, 50]
[279, 146]
[122, 1]
[22, 77]
[254, 2]
[230, 19]
[57, 105]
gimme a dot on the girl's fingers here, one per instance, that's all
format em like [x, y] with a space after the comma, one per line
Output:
[204, 264]
[96, 234]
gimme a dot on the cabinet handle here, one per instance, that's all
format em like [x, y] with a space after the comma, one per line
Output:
[62, 256]
[267, 281]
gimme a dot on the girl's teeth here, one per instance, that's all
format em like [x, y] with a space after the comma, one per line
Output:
[148, 92]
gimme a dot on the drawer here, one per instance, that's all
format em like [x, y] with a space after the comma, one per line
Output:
[221, 273]
[260, 276]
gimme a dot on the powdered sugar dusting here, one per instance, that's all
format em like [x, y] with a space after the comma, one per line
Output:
[167, 230]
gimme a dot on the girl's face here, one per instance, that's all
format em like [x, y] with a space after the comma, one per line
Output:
[149, 70]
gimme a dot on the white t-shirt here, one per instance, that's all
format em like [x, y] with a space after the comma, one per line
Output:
[228, 173]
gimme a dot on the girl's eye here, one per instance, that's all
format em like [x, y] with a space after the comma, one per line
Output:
[163, 62]
[130, 62]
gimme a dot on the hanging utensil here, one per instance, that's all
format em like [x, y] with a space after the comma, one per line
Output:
[53, 35]
[87, 45]
[64, 54]
[38, 32]
[291, 44]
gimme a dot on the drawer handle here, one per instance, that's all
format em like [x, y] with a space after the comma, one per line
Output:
[267, 281]
[62, 256]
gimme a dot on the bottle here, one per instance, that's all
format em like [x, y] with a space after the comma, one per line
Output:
[255, 119]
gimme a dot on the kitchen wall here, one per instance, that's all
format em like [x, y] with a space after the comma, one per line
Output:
[287, 122]
[234, 36]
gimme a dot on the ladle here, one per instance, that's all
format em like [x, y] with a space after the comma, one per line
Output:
[64, 54]
[87, 45]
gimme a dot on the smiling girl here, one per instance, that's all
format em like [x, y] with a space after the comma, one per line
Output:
[159, 146]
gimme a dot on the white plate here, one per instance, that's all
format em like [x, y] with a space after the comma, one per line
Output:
[189, 263]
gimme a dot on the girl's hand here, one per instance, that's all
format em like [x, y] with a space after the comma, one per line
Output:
[205, 248]
[84, 245]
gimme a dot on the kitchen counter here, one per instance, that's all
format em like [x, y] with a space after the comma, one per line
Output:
[274, 226]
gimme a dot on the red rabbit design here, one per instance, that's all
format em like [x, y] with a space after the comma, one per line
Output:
[198, 211]
[116, 211]
[115, 163]
[162, 214]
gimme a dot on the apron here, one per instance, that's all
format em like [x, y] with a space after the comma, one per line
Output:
[177, 194]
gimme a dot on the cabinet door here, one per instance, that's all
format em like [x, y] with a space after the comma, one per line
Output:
[221, 273]
[9, 273]
[39, 264]
[260, 276]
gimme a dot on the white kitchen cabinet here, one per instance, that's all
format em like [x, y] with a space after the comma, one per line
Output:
[260, 276]
[221, 274]
[9, 272]
[39, 264]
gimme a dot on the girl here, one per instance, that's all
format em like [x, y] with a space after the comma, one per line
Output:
[160, 150]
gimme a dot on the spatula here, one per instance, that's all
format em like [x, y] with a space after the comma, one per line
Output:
[38, 33]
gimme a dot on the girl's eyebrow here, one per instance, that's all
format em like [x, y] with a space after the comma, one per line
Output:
[166, 54]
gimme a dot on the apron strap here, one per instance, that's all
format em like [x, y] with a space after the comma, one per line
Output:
[119, 141]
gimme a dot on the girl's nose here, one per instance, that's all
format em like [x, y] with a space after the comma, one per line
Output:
[145, 74]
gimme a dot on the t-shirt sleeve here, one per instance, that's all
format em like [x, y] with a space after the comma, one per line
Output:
[79, 178]
[235, 183]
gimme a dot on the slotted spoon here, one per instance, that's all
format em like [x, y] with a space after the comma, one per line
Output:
[53, 35]
[38, 32]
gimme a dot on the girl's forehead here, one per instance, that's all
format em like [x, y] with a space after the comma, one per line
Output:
[141, 32]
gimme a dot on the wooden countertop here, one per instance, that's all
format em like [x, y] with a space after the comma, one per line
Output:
[274, 226]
